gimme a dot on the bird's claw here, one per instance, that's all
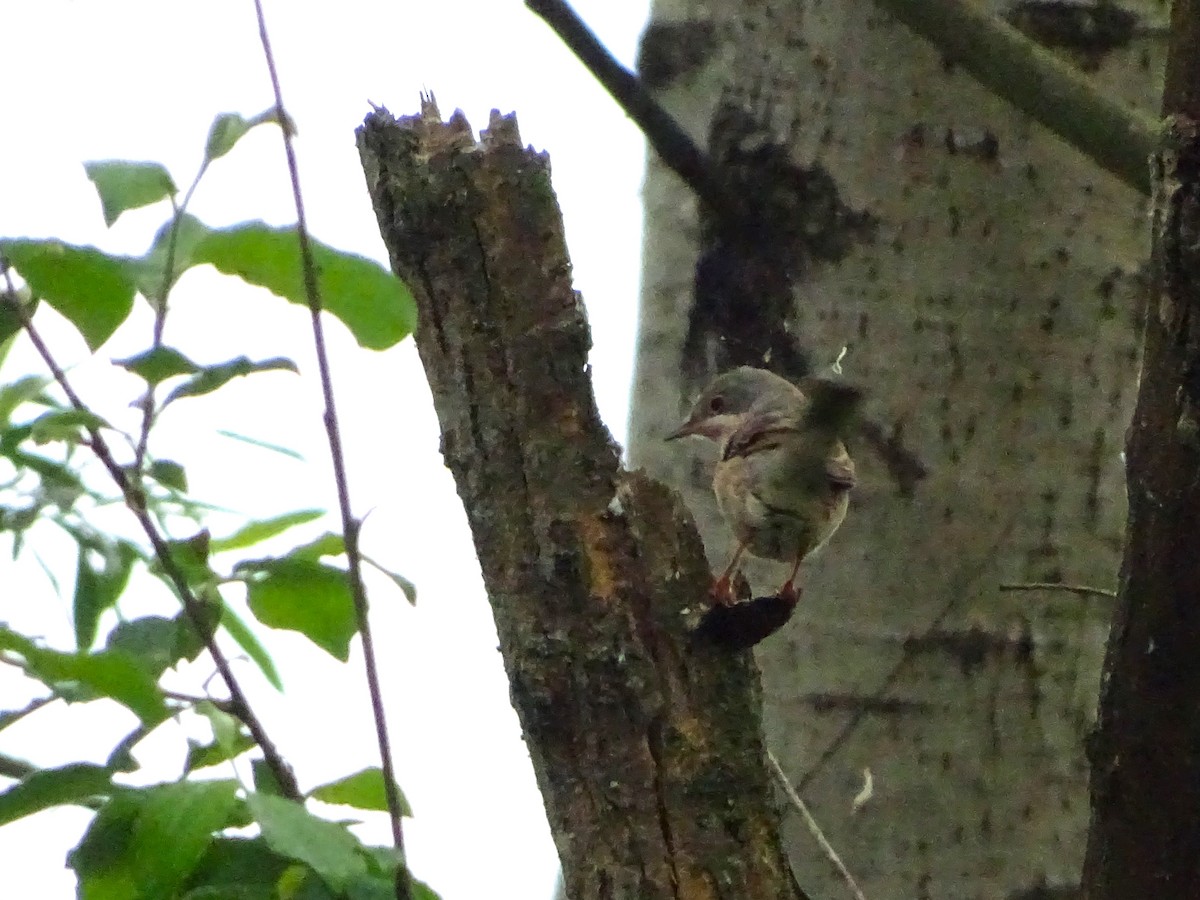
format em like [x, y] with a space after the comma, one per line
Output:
[789, 593]
[728, 590]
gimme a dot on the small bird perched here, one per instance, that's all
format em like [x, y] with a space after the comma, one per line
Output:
[784, 476]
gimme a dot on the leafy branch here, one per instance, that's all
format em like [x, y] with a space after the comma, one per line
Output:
[135, 501]
[173, 834]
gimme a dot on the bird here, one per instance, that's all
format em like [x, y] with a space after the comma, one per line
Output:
[783, 479]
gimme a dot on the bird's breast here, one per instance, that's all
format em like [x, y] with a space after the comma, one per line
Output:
[783, 528]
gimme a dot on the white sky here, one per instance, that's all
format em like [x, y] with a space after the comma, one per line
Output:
[142, 80]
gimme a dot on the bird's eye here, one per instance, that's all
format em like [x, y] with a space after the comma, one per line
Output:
[716, 405]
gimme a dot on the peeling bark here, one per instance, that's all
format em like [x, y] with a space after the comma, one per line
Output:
[646, 743]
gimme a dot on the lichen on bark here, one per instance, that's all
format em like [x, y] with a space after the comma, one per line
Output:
[646, 743]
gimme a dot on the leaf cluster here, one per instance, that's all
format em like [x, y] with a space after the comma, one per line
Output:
[187, 837]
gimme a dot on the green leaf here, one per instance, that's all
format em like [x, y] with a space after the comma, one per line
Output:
[173, 830]
[110, 673]
[409, 589]
[93, 290]
[265, 780]
[158, 364]
[192, 641]
[190, 555]
[126, 185]
[248, 641]
[11, 321]
[100, 860]
[230, 739]
[226, 729]
[371, 887]
[228, 128]
[376, 306]
[64, 425]
[149, 270]
[362, 790]
[209, 378]
[55, 475]
[256, 532]
[169, 474]
[120, 758]
[422, 891]
[149, 843]
[292, 831]
[98, 589]
[328, 544]
[236, 869]
[73, 784]
[23, 390]
[383, 863]
[304, 596]
[155, 641]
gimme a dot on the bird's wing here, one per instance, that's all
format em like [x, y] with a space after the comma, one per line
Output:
[761, 430]
[804, 450]
[840, 469]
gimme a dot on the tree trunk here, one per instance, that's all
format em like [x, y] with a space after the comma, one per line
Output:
[646, 741]
[986, 280]
[1145, 834]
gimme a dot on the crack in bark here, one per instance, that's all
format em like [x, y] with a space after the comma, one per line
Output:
[654, 737]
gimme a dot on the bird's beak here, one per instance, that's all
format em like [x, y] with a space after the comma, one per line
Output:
[687, 428]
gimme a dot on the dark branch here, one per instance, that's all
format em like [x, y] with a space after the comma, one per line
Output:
[672, 144]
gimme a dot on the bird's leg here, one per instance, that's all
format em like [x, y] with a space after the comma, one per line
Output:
[722, 589]
[789, 593]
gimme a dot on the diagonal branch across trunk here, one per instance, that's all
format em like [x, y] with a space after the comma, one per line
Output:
[646, 742]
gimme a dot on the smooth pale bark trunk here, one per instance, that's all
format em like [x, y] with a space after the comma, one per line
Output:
[992, 314]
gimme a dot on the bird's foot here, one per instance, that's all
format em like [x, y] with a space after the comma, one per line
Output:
[721, 592]
[789, 593]
[729, 589]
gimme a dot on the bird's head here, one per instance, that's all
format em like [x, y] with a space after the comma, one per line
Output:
[723, 405]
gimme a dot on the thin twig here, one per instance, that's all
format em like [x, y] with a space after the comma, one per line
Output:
[14, 716]
[160, 316]
[664, 133]
[16, 769]
[834, 747]
[1082, 589]
[193, 700]
[350, 525]
[813, 827]
[193, 607]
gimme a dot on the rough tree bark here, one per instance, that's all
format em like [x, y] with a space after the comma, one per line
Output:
[991, 314]
[646, 743]
[1145, 832]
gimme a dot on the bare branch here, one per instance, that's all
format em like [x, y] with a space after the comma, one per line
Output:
[350, 525]
[1081, 589]
[813, 827]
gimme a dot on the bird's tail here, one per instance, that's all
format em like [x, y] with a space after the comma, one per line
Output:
[833, 404]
